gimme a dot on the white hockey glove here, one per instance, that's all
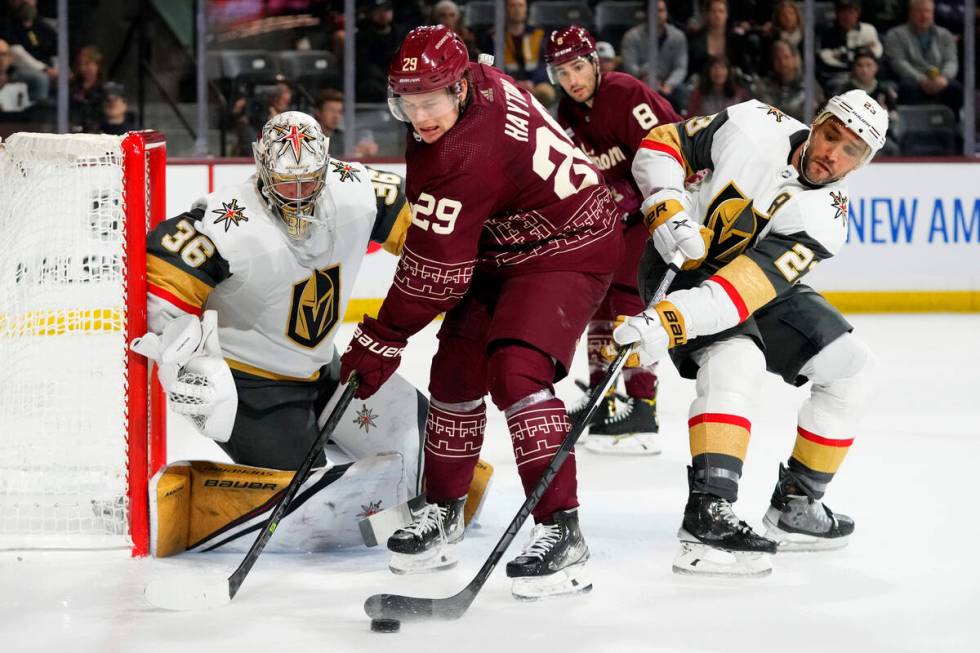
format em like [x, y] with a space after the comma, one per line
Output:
[193, 373]
[672, 229]
[654, 331]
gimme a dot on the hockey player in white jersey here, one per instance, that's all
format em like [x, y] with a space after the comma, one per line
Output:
[246, 291]
[772, 205]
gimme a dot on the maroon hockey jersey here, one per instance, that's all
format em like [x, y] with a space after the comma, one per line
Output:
[503, 190]
[623, 112]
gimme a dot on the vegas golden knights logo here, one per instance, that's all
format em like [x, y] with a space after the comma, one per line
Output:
[315, 307]
[735, 222]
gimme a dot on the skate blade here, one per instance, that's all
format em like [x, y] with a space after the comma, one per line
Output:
[698, 559]
[631, 444]
[436, 559]
[574, 579]
[790, 542]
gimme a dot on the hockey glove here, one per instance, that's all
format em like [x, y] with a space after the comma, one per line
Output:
[654, 331]
[193, 373]
[673, 230]
[374, 353]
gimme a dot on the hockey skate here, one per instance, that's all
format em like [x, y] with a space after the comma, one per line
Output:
[428, 543]
[553, 562]
[715, 542]
[799, 522]
[577, 411]
[630, 428]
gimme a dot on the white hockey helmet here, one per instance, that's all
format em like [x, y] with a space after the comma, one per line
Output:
[861, 114]
[291, 158]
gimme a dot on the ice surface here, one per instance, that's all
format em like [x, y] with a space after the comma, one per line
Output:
[907, 582]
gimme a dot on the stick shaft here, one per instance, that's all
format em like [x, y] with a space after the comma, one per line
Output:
[238, 577]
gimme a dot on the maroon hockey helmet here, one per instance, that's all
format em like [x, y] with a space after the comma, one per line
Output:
[568, 43]
[430, 58]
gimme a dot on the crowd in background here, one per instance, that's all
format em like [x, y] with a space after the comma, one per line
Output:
[711, 55]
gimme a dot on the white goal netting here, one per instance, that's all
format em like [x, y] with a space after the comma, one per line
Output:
[63, 362]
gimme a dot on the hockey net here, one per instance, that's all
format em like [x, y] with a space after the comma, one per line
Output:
[76, 440]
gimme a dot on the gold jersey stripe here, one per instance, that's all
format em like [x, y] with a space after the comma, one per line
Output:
[172, 279]
[751, 283]
[718, 437]
[819, 457]
[396, 237]
[266, 374]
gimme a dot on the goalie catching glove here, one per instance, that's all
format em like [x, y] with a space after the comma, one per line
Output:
[673, 230]
[654, 331]
[193, 373]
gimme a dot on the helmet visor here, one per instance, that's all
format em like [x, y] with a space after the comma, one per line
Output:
[423, 106]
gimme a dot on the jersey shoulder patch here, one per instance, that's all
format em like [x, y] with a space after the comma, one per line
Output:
[820, 212]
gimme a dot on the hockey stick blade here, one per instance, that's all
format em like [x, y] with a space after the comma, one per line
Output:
[408, 608]
[188, 593]
[396, 606]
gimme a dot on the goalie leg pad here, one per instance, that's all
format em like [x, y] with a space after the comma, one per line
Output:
[202, 506]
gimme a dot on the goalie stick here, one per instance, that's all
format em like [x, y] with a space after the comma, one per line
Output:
[396, 606]
[193, 593]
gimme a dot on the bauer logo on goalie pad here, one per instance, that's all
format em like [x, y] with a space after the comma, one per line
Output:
[240, 485]
[315, 307]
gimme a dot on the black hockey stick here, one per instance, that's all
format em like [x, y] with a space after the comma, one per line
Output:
[196, 592]
[396, 606]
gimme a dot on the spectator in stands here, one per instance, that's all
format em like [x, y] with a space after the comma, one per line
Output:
[33, 45]
[716, 89]
[608, 61]
[718, 39]
[523, 52]
[839, 41]
[923, 56]
[249, 114]
[672, 57]
[377, 41]
[446, 12]
[864, 76]
[783, 87]
[86, 89]
[13, 95]
[115, 111]
[329, 112]
[786, 25]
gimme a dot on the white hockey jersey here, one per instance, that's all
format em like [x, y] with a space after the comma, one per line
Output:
[278, 300]
[770, 227]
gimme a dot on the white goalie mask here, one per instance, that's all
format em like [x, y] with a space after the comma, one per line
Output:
[291, 158]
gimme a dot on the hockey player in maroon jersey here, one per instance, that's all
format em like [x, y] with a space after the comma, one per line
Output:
[608, 114]
[514, 237]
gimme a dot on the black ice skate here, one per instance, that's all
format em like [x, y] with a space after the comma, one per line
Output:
[715, 542]
[800, 522]
[554, 560]
[629, 429]
[577, 410]
[427, 544]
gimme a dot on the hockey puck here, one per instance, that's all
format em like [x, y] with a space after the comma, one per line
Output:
[385, 625]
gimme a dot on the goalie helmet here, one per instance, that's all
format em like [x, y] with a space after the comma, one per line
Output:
[861, 114]
[567, 44]
[291, 159]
